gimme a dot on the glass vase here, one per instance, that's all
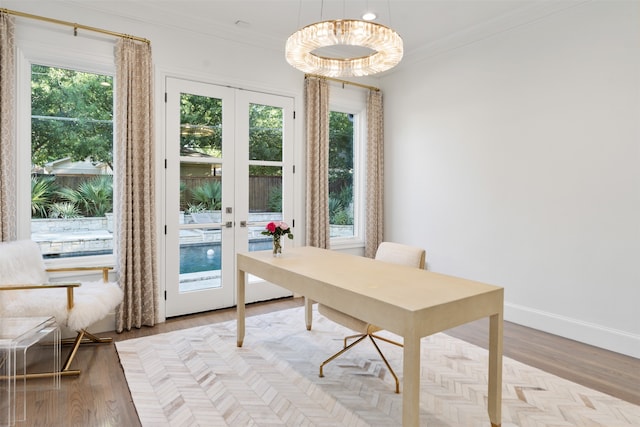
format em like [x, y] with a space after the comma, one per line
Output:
[277, 247]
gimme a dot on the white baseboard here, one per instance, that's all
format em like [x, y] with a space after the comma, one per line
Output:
[589, 333]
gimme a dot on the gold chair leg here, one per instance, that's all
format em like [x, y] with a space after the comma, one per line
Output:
[74, 349]
[93, 338]
[384, 359]
[339, 353]
[387, 340]
[65, 371]
[88, 338]
[82, 337]
[351, 337]
[361, 337]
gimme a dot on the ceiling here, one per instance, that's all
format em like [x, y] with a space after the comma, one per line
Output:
[427, 27]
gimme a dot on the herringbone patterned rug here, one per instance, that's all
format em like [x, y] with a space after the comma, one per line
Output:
[198, 377]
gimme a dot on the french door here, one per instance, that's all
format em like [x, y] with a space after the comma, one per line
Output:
[229, 172]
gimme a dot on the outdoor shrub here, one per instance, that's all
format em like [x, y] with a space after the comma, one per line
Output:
[43, 190]
[93, 197]
[342, 217]
[64, 210]
[335, 206]
[196, 208]
[346, 195]
[208, 194]
[274, 204]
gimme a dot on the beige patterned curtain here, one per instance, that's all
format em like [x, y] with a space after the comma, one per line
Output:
[134, 186]
[317, 118]
[8, 182]
[375, 174]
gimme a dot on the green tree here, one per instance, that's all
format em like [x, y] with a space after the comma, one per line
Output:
[340, 150]
[201, 124]
[201, 131]
[71, 115]
[265, 138]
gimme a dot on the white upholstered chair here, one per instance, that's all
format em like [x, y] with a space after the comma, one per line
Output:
[25, 291]
[388, 252]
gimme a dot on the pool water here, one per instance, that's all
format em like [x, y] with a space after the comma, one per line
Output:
[207, 256]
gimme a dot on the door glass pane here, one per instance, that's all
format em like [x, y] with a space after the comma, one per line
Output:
[200, 230]
[265, 180]
[201, 188]
[265, 203]
[200, 192]
[341, 174]
[200, 258]
[265, 132]
[200, 126]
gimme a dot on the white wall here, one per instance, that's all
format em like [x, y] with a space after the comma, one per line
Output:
[516, 161]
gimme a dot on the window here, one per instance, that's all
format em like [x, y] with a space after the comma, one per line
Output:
[71, 161]
[341, 174]
[347, 132]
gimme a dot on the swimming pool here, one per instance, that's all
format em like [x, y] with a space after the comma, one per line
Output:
[199, 257]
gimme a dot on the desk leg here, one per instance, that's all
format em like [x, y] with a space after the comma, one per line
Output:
[495, 370]
[240, 298]
[308, 312]
[411, 382]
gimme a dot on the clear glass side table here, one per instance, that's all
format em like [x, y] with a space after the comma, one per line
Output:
[17, 336]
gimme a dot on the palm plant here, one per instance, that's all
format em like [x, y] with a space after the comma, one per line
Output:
[42, 191]
[183, 194]
[94, 197]
[341, 206]
[196, 208]
[346, 195]
[208, 194]
[64, 210]
[335, 206]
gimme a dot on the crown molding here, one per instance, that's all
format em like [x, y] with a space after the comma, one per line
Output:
[487, 29]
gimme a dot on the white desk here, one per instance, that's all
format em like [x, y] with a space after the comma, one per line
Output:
[410, 302]
[17, 335]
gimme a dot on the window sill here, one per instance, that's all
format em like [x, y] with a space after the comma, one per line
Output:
[81, 261]
[346, 243]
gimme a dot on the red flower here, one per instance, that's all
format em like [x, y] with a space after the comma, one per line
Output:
[277, 229]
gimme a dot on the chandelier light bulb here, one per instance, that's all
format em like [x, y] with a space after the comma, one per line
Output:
[369, 16]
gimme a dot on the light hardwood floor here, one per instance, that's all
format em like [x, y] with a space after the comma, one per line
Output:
[100, 396]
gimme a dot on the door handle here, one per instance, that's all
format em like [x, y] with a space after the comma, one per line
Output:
[228, 224]
[243, 223]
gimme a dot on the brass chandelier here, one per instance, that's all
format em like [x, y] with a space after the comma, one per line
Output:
[384, 44]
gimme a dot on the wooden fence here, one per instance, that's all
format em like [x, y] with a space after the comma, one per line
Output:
[259, 188]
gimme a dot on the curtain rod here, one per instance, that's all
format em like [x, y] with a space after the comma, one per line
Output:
[74, 25]
[343, 82]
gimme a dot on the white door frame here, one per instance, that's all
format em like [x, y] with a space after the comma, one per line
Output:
[234, 193]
